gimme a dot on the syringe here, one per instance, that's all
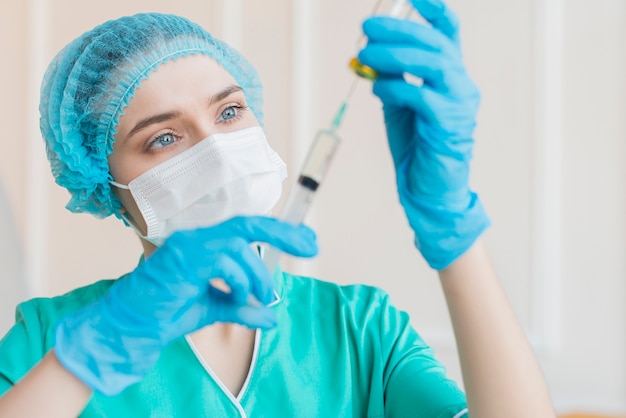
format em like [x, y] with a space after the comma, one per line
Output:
[323, 149]
[311, 177]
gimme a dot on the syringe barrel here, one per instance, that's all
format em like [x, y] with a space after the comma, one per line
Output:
[320, 155]
[399, 8]
[294, 211]
[313, 172]
[298, 202]
[270, 259]
[301, 195]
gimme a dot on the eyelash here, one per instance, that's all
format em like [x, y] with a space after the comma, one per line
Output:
[240, 109]
[157, 138]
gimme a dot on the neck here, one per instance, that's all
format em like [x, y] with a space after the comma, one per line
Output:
[148, 247]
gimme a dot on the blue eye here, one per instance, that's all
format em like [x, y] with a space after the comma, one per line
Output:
[229, 113]
[163, 141]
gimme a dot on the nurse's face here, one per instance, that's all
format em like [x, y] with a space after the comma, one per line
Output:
[182, 102]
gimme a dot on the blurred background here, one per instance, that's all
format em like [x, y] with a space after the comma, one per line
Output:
[548, 165]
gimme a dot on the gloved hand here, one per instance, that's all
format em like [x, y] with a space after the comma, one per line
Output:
[429, 127]
[114, 342]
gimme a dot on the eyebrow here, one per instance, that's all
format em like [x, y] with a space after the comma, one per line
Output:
[224, 93]
[162, 117]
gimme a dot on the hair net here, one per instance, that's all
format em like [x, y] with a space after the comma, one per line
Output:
[89, 83]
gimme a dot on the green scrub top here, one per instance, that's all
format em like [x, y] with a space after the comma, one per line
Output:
[337, 351]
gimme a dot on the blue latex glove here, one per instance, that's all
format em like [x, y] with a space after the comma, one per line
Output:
[429, 127]
[115, 341]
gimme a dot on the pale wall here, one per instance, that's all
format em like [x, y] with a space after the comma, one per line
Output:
[555, 191]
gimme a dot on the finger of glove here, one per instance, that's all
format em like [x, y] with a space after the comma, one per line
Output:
[229, 267]
[388, 30]
[259, 281]
[297, 240]
[216, 306]
[250, 316]
[439, 71]
[438, 14]
[399, 96]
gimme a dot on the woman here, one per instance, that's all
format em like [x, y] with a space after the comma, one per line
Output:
[151, 119]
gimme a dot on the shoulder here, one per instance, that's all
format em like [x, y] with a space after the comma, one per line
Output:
[31, 336]
[49, 310]
[35, 319]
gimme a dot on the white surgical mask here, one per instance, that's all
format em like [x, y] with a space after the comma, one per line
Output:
[224, 175]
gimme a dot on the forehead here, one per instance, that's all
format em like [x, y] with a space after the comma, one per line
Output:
[193, 75]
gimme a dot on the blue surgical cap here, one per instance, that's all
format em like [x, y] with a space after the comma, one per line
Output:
[89, 83]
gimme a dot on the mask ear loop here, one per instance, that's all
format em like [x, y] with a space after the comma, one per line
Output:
[119, 185]
[129, 221]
